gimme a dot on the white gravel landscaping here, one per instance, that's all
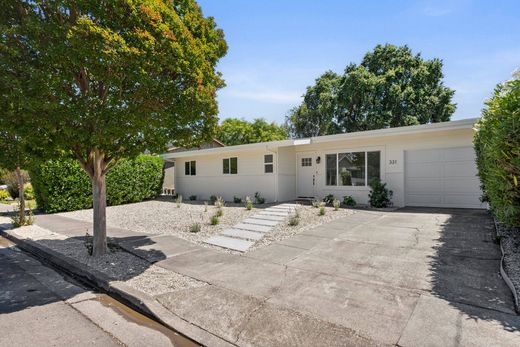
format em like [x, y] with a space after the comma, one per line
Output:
[163, 217]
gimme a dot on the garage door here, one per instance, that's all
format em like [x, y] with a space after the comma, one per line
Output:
[442, 178]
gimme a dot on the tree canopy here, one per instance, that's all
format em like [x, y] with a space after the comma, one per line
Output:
[234, 131]
[390, 87]
[111, 79]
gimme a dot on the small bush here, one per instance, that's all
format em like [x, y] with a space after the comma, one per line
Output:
[295, 218]
[193, 197]
[237, 200]
[195, 227]
[249, 203]
[259, 199]
[329, 199]
[220, 212]
[336, 203]
[322, 211]
[379, 196]
[178, 201]
[212, 199]
[11, 181]
[219, 203]
[349, 201]
[316, 203]
[4, 195]
[28, 192]
[214, 220]
[17, 221]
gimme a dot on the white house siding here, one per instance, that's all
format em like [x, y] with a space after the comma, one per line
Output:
[210, 180]
[286, 174]
[392, 159]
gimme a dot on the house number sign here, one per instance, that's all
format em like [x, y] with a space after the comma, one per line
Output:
[392, 162]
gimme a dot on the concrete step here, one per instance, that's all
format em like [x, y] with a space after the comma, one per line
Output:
[268, 217]
[270, 213]
[277, 210]
[253, 227]
[243, 234]
[271, 223]
[229, 243]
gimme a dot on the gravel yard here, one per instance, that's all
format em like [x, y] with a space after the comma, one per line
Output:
[163, 217]
[119, 265]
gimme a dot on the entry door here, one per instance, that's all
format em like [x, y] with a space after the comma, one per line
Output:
[306, 174]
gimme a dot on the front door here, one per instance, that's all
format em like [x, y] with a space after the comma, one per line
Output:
[306, 174]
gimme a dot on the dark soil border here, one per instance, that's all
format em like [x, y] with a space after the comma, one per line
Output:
[503, 273]
[131, 297]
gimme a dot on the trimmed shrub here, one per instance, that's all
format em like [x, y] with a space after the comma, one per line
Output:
[4, 195]
[61, 185]
[497, 145]
[349, 201]
[28, 191]
[329, 199]
[379, 196]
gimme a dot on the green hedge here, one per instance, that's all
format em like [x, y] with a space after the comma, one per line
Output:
[61, 185]
[497, 144]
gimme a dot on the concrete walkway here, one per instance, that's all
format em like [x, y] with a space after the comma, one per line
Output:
[411, 277]
[252, 229]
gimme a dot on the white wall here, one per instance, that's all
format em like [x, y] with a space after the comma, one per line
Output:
[210, 179]
[392, 159]
[286, 174]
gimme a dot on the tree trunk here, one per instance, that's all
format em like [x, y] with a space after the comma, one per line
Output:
[21, 196]
[99, 205]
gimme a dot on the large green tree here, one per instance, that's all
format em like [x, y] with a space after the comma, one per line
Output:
[234, 131]
[111, 79]
[391, 87]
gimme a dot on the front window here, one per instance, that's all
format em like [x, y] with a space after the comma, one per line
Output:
[190, 168]
[230, 166]
[268, 163]
[352, 168]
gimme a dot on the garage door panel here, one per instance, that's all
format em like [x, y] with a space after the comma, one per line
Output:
[444, 177]
[463, 169]
[424, 170]
[424, 156]
[462, 185]
[422, 185]
[459, 154]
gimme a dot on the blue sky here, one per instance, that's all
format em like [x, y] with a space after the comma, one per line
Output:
[278, 48]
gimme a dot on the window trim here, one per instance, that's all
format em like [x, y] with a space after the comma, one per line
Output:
[270, 163]
[354, 150]
[229, 166]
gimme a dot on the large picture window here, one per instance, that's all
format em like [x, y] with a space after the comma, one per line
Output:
[230, 166]
[190, 168]
[352, 168]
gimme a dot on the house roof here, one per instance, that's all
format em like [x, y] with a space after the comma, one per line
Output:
[398, 131]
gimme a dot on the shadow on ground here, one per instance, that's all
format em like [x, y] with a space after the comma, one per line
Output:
[465, 267]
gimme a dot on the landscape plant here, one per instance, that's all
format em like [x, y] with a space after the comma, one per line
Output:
[336, 203]
[497, 145]
[214, 220]
[379, 195]
[329, 199]
[4, 195]
[316, 203]
[249, 203]
[259, 199]
[237, 200]
[349, 201]
[193, 197]
[219, 202]
[106, 80]
[212, 199]
[195, 227]
[294, 219]
[178, 201]
[322, 211]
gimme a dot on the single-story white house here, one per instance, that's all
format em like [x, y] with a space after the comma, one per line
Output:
[425, 165]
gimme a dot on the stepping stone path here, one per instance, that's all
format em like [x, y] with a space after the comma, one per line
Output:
[243, 235]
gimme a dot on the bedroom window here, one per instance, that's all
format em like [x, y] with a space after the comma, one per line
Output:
[230, 166]
[268, 163]
[190, 168]
[352, 168]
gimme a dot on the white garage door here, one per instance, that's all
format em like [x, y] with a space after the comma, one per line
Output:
[442, 178]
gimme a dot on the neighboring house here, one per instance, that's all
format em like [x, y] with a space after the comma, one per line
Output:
[424, 165]
[169, 166]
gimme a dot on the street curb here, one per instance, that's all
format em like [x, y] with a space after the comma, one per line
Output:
[503, 273]
[134, 298]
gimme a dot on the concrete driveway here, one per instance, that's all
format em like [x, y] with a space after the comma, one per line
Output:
[413, 277]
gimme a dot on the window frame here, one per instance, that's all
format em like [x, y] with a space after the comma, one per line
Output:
[190, 168]
[365, 150]
[269, 164]
[229, 166]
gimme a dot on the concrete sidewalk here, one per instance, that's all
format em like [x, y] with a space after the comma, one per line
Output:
[411, 277]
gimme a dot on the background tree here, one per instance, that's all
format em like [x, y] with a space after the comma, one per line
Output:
[112, 79]
[391, 87]
[317, 114]
[234, 131]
